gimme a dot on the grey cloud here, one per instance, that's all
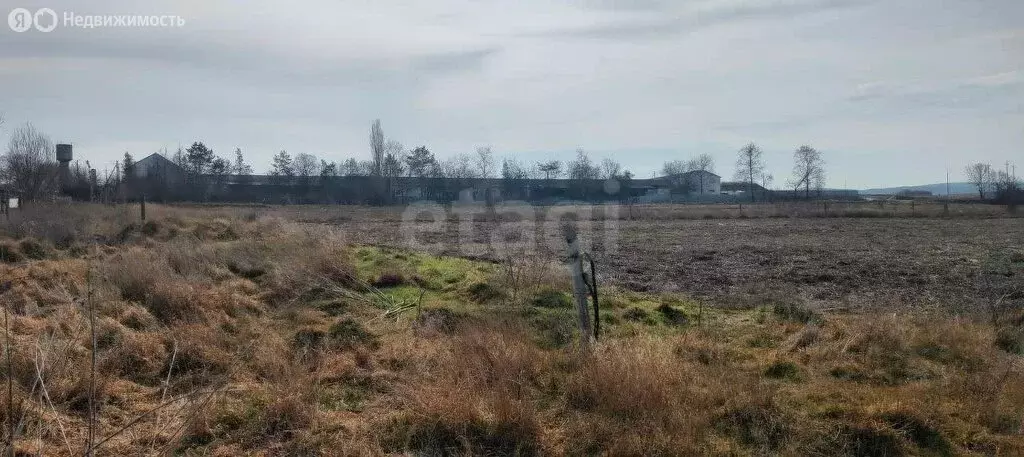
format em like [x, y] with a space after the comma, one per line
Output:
[992, 93]
[444, 62]
[235, 57]
[609, 75]
[659, 19]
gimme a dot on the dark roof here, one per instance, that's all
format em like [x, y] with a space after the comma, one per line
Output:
[156, 159]
[739, 186]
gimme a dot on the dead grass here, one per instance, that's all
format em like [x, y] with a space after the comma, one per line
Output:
[225, 334]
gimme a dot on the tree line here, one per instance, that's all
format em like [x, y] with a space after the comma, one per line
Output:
[1000, 186]
[751, 170]
[29, 167]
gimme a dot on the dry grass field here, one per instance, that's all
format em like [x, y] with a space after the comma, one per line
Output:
[857, 255]
[316, 331]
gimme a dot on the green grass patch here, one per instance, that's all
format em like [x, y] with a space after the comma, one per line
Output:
[671, 315]
[552, 328]
[347, 333]
[794, 312]
[637, 314]
[332, 307]
[783, 370]
[549, 298]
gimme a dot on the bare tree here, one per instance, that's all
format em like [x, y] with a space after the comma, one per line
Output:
[750, 167]
[305, 166]
[675, 167]
[582, 172]
[29, 165]
[484, 162]
[458, 167]
[377, 147]
[610, 169]
[394, 159]
[512, 169]
[583, 168]
[981, 176]
[1007, 189]
[674, 171]
[808, 170]
[353, 167]
[513, 173]
[704, 164]
[766, 182]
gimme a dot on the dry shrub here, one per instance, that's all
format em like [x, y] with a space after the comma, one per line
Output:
[194, 261]
[60, 225]
[231, 298]
[347, 333]
[805, 337]
[270, 357]
[432, 321]
[174, 301]
[757, 423]
[636, 382]
[878, 351]
[703, 348]
[524, 275]
[261, 419]
[145, 277]
[896, 349]
[134, 271]
[217, 230]
[33, 249]
[247, 258]
[140, 357]
[307, 265]
[73, 393]
[492, 391]
[638, 396]
[480, 401]
[138, 318]
[9, 252]
[200, 357]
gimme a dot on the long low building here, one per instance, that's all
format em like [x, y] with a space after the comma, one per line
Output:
[161, 179]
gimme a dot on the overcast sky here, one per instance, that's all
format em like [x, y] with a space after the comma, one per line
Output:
[892, 91]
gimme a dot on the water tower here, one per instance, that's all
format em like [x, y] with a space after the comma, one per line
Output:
[64, 165]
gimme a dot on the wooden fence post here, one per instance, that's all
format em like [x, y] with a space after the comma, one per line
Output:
[142, 207]
[579, 287]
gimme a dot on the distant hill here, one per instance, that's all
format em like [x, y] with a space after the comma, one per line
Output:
[955, 188]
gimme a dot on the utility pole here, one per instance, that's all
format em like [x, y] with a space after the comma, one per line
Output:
[945, 204]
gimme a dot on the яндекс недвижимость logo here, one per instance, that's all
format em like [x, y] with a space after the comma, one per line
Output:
[45, 20]
[21, 19]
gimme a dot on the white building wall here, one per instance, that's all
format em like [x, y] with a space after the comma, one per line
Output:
[712, 183]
